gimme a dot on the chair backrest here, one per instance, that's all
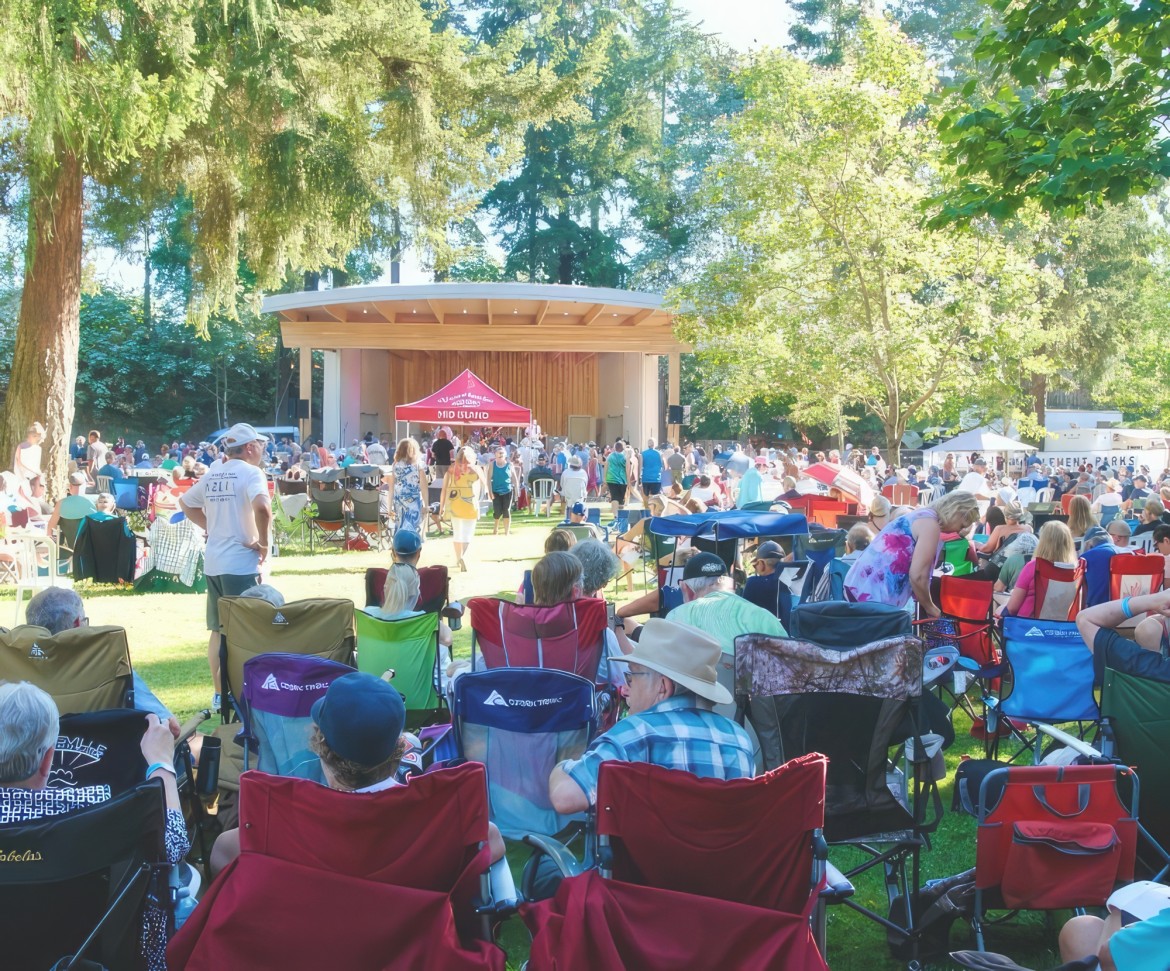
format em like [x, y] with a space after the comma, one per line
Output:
[520, 722]
[67, 532]
[1045, 494]
[126, 494]
[835, 624]
[1064, 799]
[64, 873]
[743, 840]
[317, 626]
[1065, 502]
[593, 515]
[432, 587]
[542, 489]
[1136, 574]
[99, 748]
[329, 503]
[845, 703]
[1052, 673]
[1138, 711]
[384, 871]
[969, 602]
[957, 552]
[292, 487]
[1108, 514]
[410, 649]
[1096, 566]
[104, 483]
[367, 505]
[1056, 591]
[32, 551]
[328, 476]
[105, 551]
[565, 637]
[83, 668]
[277, 698]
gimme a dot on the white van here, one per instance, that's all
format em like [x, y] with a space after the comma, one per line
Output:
[272, 432]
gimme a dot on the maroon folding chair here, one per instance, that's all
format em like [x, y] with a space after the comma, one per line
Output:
[695, 873]
[1136, 575]
[432, 587]
[564, 637]
[329, 879]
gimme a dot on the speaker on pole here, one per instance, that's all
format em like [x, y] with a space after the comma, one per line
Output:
[302, 407]
[674, 415]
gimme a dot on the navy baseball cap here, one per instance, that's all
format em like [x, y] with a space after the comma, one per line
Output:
[407, 542]
[361, 717]
[704, 565]
[578, 509]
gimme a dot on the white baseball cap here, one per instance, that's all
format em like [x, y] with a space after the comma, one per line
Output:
[241, 434]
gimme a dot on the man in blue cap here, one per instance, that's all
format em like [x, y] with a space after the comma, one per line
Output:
[357, 734]
[406, 547]
[577, 518]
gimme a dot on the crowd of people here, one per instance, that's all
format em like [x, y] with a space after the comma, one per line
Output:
[673, 671]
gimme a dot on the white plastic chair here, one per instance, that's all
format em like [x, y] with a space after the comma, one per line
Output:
[29, 550]
[104, 484]
[1045, 495]
[542, 490]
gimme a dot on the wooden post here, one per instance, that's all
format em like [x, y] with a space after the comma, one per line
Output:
[672, 394]
[306, 391]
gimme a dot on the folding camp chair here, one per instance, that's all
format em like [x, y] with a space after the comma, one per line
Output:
[36, 558]
[520, 722]
[331, 477]
[1056, 591]
[854, 695]
[277, 698]
[565, 637]
[99, 748]
[130, 500]
[67, 540]
[79, 884]
[901, 494]
[1095, 574]
[405, 652]
[968, 607]
[433, 583]
[731, 881]
[1136, 575]
[106, 551]
[1052, 837]
[367, 517]
[329, 519]
[957, 553]
[363, 477]
[392, 877]
[1051, 681]
[82, 668]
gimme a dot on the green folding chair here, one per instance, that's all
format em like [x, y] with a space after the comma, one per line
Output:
[956, 553]
[409, 648]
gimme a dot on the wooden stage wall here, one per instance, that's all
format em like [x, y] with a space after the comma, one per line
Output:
[554, 385]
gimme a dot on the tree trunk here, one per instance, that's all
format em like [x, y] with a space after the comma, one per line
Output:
[147, 270]
[1040, 398]
[894, 433]
[44, 362]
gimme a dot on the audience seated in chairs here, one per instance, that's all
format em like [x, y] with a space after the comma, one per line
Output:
[399, 601]
[357, 734]
[29, 724]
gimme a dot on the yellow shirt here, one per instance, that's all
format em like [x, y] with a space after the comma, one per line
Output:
[462, 499]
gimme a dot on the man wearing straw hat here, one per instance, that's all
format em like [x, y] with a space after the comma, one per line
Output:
[672, 690]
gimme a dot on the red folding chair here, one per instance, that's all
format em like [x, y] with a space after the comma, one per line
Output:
[902, 494]
[1057, 837]
[825, 511]
[565, 637]
[1057, 589]
[969, 604]
[329, 879]
[432, 587]
[1065, 502]
[731, 881]
[1135, 575]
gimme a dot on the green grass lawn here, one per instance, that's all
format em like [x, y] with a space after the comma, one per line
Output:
[168, 644]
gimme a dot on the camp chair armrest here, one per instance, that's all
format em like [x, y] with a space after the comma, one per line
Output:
[499, 895]
[191, 726]
[1070, 741]
[566, 863]
[837, 886]
[452, 611]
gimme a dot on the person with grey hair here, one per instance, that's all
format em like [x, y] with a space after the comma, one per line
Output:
[61, 608]
[29, 726]
[599, 565]
[266, 592]
[711, 604]
[1119, 533]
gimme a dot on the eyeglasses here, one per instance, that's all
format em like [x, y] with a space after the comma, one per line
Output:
[630, 675]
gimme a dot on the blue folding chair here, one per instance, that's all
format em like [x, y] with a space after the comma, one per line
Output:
[1052, 680]
[520, 722]
[593, 515]
[276, 703]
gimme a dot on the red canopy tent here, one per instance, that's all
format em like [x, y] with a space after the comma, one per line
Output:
[464, 401]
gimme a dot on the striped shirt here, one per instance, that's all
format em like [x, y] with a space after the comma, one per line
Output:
[679, 733]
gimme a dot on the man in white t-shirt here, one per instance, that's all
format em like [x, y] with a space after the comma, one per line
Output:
[975, 482]
[231, 503]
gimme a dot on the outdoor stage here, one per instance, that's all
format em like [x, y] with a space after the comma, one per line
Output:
[585, 353]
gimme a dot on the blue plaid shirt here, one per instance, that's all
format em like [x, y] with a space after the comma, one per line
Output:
[679, 733]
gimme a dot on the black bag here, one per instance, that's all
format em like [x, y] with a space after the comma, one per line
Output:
[936, 908]
[969, 777]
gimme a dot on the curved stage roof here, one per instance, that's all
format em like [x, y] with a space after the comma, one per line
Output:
[476, 316]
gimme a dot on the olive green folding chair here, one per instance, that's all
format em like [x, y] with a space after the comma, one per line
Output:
[406, 653]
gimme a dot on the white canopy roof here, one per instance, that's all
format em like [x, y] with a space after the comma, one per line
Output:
[981, 440]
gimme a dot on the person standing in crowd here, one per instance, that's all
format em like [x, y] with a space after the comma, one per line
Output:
[616, 481]
[376, 453]
[27, 461]
[442, 450]
[505, 487]
[751, 485]
[405, 481]
[651, 470]
[462, 487]
[231, 503]
[95, 452]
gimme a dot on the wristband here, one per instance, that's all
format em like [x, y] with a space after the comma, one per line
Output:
[165, 766]
[1125, 607]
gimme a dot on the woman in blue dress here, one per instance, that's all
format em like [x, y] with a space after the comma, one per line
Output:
[406, 480]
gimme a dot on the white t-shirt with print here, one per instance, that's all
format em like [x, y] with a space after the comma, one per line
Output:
[225, 495]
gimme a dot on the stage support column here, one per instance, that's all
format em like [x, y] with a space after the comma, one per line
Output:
[305, 417]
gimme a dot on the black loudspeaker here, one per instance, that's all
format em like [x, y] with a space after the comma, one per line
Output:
[302, 407]
[674, 415]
